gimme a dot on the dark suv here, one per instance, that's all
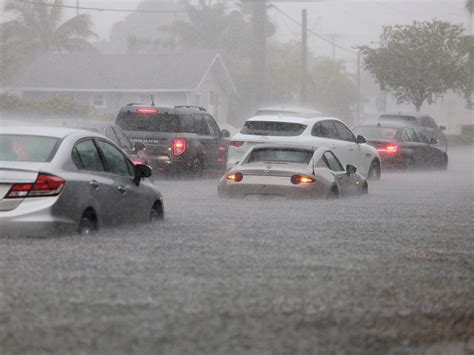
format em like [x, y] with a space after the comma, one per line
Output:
[179, 138]
[425, 122]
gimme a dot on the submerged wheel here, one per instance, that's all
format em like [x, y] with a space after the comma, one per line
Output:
[333, 193]
[86, 226]
[364, 190]
[444, 162]
[156, 213]
[374, 170]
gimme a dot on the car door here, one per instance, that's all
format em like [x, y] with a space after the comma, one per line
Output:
[415, 150]
[351, 152]
[333, 164]
[432, 153]
[206, 141]
[91, 167]
[217, 147]
[130, 198]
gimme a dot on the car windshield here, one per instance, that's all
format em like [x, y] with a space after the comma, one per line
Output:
[284, 155]
[272, 128]
[160, 122]
[370, 132]
[35, 149]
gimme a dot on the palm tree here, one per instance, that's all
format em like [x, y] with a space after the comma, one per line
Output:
[37, 29]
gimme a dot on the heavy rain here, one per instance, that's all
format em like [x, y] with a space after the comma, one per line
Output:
[236, 177]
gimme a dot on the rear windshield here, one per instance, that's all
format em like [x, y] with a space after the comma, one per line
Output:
[161, 122]
[376, 132]
[35, 149]
[270, 128]
[398, 117]
[285, 155]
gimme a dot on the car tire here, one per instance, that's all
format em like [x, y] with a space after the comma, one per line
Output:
[333, 193]
[374, 170]
[156, 213]
[197, 167]
[86, 227]
[444, 162]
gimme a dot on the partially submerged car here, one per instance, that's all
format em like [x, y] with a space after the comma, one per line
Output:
[291, 172]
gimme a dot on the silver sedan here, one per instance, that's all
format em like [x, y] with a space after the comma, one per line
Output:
[291, 172]
[59, 180]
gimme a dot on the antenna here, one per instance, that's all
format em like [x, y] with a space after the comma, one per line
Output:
[152, 101]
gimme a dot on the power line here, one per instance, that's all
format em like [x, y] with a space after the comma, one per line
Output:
[98, 8]
[313, 32]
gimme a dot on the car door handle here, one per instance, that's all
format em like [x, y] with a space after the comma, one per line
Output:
[94, 184]
[121, 188]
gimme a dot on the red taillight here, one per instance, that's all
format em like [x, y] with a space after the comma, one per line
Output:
[236, 177]
[148, 110]
[45, 185]
[179, 146]
[391, 149]
[222, 148]
[302, 179]
[236, 144]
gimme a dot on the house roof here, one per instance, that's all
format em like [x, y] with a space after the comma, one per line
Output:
[96, 72]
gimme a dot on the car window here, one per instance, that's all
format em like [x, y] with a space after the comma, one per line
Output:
[213, 127]
[421, 136]
[153, 122]
[325, 129]
[375, 132]
[272, 128]
[428, 122]
[115, 159]
[332, 162]
[110, 134]
[343, 132]
[201, 126]
[27, 148]
[187, 123]
[86, 157]
[123, 140]
[409, 135]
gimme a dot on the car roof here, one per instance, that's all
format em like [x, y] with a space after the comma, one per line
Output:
[80, 123]
[291, 119]
[166, 108]
[290, 110]
[45, 131]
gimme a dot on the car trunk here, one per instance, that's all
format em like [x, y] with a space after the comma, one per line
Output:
[157, 143]
[272, 169]
[15, 172]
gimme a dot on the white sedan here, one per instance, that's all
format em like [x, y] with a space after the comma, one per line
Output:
[309, 131]
[291, 172]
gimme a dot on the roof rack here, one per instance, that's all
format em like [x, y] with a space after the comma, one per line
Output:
[200, 108]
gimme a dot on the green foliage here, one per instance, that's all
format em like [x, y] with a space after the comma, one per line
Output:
[58, 106]
[38, 29]
[418, 63]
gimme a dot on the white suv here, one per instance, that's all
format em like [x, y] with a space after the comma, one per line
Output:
[316, 131]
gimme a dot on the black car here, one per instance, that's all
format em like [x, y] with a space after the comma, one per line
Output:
[402, 145]
[136, 151]
[179, 138]
[428, 125]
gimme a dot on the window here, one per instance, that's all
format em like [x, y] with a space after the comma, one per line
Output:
[98, 101]
[286, 155]
[110, 134]
[116, 162]
[271, 128]
[409, 135]
[156, 122]
[187, 123]
[325, 129]
[376, 132]
[332, 162]
[343, 132]
[427, 121]
[123, 140]
[86, 156]
[27, 148]
[201, 126]
[212, 125]
[421, 136]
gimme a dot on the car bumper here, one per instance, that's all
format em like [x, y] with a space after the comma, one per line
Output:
[35, 217]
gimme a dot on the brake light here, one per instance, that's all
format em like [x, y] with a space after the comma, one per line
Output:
[45, 185]
[222, 148]
[236, 144]
[302, 179]
[236, 177]
[179, 146]
[147, 110]
[390, 148]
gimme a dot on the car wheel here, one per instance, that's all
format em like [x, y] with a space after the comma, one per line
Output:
[444, 162]
[86, 226]
[197, 167]
[156, 213]
[333, 193]
[364, 190]
[374, 170]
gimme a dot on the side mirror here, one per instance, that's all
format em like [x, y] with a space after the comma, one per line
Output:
[442, 128]
[360, 139]
[138, 146]
[141, 171]
[225, 133]
[433, 141]
[351, 169]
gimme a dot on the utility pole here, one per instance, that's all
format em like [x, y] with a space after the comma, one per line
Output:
[333, 36]
[259, 55]
[358, 88]
[77, 7]
[304, 58]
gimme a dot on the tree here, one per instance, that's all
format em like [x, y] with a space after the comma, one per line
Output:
[38, 29]
[419, 63]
